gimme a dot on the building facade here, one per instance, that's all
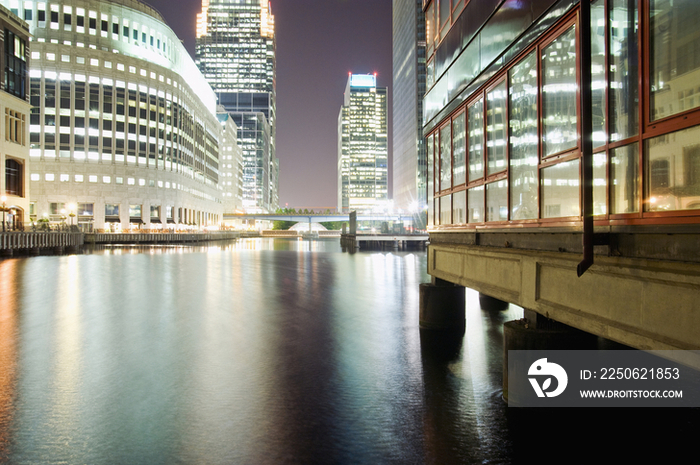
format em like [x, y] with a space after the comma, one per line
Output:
[230, 165]
[123, 127]
[235, 51]
[14, 133]
[551, 136]
[362, 146]
[409, 156]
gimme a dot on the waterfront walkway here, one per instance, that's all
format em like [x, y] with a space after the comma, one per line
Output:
[36, 242]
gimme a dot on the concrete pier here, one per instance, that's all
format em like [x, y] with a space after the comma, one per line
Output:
[442, 307]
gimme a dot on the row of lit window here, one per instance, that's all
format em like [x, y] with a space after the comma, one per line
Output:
[147, 35]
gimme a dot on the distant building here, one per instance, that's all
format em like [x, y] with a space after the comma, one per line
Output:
[362, 145]
[230, 165]
[14, 135]
[235, 51]
[123, 127]
[409, 154]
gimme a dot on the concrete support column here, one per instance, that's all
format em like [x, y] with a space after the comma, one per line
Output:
[486, 302]
[353, 222]
[442, 307]
[536, 332]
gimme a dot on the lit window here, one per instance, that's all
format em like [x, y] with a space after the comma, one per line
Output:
[35, 177]
[64, 177]
[106, 179]
[130, 181]
[49, 177]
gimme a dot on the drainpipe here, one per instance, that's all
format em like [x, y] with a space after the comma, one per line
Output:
[586, 137]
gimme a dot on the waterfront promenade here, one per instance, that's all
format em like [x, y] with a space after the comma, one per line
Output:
[37, 242]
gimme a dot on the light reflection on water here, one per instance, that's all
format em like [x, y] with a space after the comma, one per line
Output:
[256, 351]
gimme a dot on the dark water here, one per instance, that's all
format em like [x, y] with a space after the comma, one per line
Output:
[273, 351]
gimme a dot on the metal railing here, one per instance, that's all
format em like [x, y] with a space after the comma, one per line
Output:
[39, 240]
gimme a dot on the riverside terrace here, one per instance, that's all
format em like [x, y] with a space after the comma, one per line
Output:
[36, 243]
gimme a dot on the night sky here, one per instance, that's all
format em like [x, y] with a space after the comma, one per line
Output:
[318, 43]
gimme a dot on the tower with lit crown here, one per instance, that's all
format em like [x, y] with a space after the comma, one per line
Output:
[362, 145]
[235, 51]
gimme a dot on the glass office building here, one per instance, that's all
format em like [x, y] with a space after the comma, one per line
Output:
[362, 146]
[563, 141]
[123, 127]
[409, 156]
[235, 51]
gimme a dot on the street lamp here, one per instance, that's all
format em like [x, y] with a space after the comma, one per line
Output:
[72, 209]
[4, 199]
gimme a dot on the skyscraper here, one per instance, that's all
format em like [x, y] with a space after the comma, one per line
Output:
[410, 159]
[235, 51]
[362, 145]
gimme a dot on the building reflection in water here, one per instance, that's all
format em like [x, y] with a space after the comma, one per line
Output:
[8, 351]
[255, 351]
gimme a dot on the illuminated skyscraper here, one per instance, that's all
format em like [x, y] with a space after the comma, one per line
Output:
[235, 51]
[362, 145]
[410, 159]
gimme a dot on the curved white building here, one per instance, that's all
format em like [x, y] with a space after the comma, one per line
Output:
[123, 129]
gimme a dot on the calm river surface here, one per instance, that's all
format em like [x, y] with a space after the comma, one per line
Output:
[272, 351]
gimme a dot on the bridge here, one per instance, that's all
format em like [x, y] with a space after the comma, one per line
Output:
[315, 217]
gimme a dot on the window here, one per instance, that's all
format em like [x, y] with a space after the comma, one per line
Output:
[523, 138]
[458, 149]
[446, 209]
[14, 174]
[15, 76]
[624, 167]
[475, 200]
[85, 209]
[673, 189]
[459, 202]
[559, 90]
[624, 90]
[496, 129]
[14, 126]
[56, 208]
[560, 190]
[111, 210]
[445, 159]
[674, 56]
[431, 186]
[135, 211]
[476, 140]
[497, 201]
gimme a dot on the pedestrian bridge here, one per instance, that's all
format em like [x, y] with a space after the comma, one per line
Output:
[314, 217]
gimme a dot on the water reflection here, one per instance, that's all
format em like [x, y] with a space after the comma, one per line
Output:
[257, 351]
[8, 352]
